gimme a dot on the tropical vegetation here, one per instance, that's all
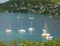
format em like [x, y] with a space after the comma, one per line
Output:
[32, 6]
[20, 42]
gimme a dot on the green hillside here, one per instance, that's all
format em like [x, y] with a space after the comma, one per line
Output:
[32, 6]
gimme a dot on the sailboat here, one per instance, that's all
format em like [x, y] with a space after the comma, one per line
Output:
[21, 30]
[31, 28]
[9, 29]
[45, 33]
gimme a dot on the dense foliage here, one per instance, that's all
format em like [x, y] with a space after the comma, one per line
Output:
[56, 1]
[20, 42]
[32, 6]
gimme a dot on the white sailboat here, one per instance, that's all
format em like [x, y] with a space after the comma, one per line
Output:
[21, 30]
[45, 34]
[9, 29]
[31, 28]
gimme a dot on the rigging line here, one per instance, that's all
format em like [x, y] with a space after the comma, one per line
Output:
[45, 26]
[31, 24]
[9, 25]
[21, 23]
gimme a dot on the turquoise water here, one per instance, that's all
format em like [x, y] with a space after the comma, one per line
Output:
[53, 26]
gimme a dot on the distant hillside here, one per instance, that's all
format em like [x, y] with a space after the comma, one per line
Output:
[32, 6]
[7, 5]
